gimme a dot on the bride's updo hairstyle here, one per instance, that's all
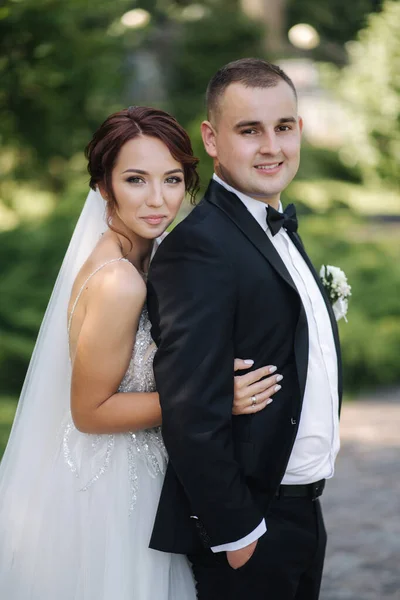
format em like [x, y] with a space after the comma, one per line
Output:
[103, 149]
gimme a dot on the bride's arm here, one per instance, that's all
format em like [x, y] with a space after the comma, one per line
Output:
[102, 357]
[103, 352]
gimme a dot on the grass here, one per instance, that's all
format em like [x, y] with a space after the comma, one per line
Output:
[8, 405]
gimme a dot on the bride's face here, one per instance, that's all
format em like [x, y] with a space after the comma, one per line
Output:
[149, 187]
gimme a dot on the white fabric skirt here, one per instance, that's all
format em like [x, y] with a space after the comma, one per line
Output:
[66, 543]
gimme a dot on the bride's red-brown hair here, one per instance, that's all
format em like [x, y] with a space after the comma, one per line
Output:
[103, 149]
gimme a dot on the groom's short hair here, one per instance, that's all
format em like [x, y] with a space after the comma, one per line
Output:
[251, 72]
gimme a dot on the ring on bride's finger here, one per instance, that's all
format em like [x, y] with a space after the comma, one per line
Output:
[253, 401]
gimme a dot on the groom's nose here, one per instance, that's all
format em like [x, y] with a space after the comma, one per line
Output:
[270, 143]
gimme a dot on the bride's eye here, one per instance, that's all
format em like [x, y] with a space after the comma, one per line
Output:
[174, 179]
[135, 180]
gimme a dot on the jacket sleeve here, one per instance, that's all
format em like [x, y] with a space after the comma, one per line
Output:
[192, 293]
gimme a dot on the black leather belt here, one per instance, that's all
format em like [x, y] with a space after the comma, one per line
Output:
[309, 490]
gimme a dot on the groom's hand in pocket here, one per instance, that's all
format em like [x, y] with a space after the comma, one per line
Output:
[238, 558]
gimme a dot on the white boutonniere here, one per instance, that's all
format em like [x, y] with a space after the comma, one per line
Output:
[335, 283]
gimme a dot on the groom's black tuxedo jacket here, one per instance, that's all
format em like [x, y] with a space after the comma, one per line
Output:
[219, 290]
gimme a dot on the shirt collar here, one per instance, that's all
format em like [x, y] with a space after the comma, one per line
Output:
[255, 207]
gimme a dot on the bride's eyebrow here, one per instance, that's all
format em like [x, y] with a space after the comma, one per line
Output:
[141, 172]
[173, 171]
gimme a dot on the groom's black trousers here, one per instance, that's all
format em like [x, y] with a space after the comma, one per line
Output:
[286, 565]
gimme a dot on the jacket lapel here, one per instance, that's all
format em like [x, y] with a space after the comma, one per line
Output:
[297, 242]
[230, 204]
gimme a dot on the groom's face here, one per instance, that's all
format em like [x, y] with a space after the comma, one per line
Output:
[254, 138]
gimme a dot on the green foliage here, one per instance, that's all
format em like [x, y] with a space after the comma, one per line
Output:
[30, 257]
[7, 409]
[370, 88]
[61, 73]
[369, 257]
[368, 254]
[64, 66]
[323, 163]
[200, 48]
[321, 195]
[337, 21]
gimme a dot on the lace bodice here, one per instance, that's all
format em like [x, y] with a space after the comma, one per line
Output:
[139, 376]
[146, 445]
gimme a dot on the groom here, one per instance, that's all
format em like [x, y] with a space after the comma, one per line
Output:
[241, 493]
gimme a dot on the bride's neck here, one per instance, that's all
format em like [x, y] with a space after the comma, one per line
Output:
[132, 246]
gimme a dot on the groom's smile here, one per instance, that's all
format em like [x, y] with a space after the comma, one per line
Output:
[269, 169]
[254, 138]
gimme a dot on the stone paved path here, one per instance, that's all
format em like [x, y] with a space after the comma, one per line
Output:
[362, 504]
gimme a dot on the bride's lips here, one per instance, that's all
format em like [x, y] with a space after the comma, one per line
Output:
[269, 168]
[153, 219]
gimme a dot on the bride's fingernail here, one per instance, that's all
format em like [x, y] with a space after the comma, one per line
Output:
[279, 377]
[277, 388]
[272, 369]
[249, 362]
[269, 401]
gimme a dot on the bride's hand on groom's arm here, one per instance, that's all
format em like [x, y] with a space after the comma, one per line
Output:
[238, 558]
[254, 391]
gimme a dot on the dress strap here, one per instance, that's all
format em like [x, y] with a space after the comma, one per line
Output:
[84, 284]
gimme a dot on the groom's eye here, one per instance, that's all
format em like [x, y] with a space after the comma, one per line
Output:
[249, 131]
[284, 128]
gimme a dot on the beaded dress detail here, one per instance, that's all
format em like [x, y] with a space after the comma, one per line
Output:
[89, 456]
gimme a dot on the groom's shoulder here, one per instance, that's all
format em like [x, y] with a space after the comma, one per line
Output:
[199, 216]
[204, 226]
[198, 230]
[195, 225]
[204, 219]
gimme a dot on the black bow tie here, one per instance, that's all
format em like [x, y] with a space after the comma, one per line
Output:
[287, 219]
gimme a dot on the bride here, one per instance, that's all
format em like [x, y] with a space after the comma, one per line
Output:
[82, 473]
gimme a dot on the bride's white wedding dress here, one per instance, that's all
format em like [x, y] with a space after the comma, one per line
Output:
[85, 534]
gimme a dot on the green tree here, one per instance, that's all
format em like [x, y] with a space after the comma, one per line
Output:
[191, 41]
[61, 72]
[370, 88]
[64, 67]
[30, 257]
[337, 21]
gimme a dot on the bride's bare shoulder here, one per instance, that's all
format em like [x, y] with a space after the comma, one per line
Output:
[116, 283]
[110, 284]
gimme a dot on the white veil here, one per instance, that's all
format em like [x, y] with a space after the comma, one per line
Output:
[61, 539]
[33, 447]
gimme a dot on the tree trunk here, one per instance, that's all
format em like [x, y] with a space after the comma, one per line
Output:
[273, 14]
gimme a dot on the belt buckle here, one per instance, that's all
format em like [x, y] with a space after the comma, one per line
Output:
[316, 489]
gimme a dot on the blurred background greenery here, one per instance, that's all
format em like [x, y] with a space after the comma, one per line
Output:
[64, 66]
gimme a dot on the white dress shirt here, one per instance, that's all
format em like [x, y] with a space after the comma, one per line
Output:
[317, 441]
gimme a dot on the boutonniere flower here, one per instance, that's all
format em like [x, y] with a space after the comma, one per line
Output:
[335, 283]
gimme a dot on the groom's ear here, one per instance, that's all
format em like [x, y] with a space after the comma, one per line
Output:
[208, 134]
[301, 125]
